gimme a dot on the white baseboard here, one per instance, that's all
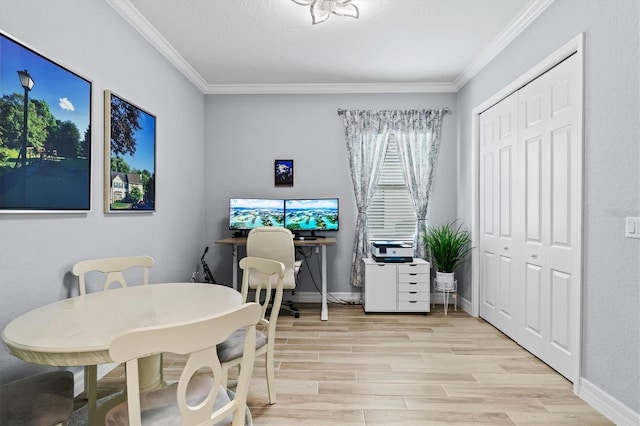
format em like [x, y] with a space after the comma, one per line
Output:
[608, 406]
[315, 297]
[356, 297]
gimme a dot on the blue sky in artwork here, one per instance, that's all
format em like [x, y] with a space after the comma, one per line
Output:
[68, 95]
[145, 140]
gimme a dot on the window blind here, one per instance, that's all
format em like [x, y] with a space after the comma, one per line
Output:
[390, 213]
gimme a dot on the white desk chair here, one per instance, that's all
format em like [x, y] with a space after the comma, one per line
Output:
[199, 397]
[264, 272]
[113, 268]
[277, 244]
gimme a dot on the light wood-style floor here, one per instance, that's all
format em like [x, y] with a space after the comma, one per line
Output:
[401, 369]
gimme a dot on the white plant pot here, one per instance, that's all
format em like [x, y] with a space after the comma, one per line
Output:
[445, 280]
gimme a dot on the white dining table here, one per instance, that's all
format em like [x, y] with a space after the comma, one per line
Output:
[78, 331]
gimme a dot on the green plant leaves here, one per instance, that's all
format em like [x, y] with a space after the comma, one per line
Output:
[447, 245]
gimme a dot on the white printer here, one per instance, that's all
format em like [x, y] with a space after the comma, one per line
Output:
[391, 251]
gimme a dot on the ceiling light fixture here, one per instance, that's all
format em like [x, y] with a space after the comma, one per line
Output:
[322, 9]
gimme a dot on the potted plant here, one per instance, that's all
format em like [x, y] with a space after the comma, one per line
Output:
[447, 246]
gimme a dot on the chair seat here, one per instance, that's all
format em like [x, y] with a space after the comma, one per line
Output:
[42, 399]
[160, 407]
[233, 347]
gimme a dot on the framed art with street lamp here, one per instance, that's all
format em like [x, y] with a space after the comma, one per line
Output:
[130, 156]
[45, 134]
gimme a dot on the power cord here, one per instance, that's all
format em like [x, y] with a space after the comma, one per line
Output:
[301, 251]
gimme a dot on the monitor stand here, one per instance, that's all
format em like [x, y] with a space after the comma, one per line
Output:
[243, 233]
[311, 237]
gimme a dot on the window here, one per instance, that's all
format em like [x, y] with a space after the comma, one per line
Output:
[390, 214]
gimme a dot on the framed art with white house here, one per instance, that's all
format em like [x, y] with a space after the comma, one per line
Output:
[130, 157]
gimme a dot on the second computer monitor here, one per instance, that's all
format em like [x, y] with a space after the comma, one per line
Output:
[313, 214]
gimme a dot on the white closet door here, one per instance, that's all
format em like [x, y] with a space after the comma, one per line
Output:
[529, 216]
[498, 176]
[548, 113]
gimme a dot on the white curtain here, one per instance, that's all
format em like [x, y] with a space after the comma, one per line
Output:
[366, 134]
[366, 137]
[418, 144]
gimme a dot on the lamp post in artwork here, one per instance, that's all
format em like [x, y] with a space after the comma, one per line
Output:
[27, 83]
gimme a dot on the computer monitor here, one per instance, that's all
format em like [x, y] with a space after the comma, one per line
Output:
[313, 214]
[249, 213]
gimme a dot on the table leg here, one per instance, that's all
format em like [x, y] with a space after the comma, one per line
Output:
[150, 376]
[90, 390]
[150, 373]
[324, 315]
[101, 412]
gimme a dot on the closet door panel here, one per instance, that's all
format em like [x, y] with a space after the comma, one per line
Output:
[497, 204]
[530, 216]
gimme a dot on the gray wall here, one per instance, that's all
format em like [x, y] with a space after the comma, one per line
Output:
[37, 251]
[232, 141]
[246, 133]
[611, 283]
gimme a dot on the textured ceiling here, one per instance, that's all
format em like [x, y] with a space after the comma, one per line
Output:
[257, 46]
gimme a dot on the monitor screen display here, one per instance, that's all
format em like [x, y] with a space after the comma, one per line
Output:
[318, 214]
[249, 213]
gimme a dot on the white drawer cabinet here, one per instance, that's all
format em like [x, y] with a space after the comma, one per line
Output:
[396, 287]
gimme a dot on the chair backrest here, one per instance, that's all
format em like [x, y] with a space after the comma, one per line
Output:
[275, 244]
[261, 274]
[198, 340]
[113, 267]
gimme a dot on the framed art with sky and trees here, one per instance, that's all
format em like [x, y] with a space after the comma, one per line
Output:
[130, 145]
[45, 133]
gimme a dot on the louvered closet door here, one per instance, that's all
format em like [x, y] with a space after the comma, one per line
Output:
[529, 217]
[498, 138]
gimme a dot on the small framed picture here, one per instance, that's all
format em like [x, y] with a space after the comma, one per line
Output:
[283, 172]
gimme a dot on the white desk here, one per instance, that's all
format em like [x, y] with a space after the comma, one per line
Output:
[79, 330]
[320, 242]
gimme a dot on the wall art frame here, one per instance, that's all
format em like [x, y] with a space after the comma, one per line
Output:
[47, 168]
[283, 172]
[129, 157]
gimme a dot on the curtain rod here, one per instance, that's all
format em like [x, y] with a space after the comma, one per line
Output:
[341, 111]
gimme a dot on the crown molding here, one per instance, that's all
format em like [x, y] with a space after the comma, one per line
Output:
[148, 31]
[140, 23]
[517, 26]
[328, 88]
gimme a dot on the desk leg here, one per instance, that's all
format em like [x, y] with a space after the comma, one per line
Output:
[234, 260]
[324, 315]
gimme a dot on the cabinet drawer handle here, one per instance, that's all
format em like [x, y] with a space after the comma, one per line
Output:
[413, 301]
[413, 273]
[413, 292]
[413, 283]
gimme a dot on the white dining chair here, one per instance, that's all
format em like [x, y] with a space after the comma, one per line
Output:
[112, 269]
[265, 276]
[43, 399]
[199, 397]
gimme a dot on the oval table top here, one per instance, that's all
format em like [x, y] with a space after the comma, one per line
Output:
[78, 331]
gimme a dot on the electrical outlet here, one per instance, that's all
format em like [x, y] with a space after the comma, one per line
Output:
[632, 229]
